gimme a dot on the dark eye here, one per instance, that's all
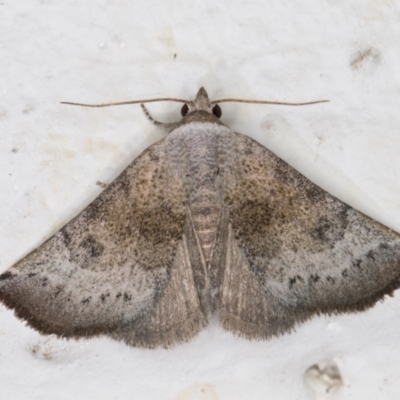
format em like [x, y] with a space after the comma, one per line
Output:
[217, 111]
[184, 110]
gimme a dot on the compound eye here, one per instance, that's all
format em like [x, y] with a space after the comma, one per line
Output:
[217, 111]
[184, 110]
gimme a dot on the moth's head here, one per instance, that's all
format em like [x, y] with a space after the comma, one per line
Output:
[201, 103]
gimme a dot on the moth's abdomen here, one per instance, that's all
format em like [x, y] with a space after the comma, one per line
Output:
[205, 216]
[205, 208]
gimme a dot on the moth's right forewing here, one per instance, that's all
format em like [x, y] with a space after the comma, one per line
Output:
[111, 265]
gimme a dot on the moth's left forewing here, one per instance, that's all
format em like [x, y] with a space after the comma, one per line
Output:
[303, 250]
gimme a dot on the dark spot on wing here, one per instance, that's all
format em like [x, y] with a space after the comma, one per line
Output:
[371, 255]
[6, 275]
[326, 232]
[66, 237]
[92, 246]
[314, 278]
[384, 246]
[330, 279]
[321, 231]
[59, 288]
[315, 194]
[104, 296]
[283, 172]
[294, 280]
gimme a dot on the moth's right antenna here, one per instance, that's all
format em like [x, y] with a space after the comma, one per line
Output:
[281, 103]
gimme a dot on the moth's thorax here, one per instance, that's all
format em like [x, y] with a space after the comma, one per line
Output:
[200, 116]
[195, 150]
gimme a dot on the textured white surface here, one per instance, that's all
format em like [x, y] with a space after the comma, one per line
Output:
[51, 157]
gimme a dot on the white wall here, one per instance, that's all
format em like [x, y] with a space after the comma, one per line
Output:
[51, 157]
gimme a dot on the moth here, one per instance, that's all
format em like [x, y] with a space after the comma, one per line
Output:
[204, 221]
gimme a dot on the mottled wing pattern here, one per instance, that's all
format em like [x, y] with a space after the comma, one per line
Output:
[115, 268]
[293, 250]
